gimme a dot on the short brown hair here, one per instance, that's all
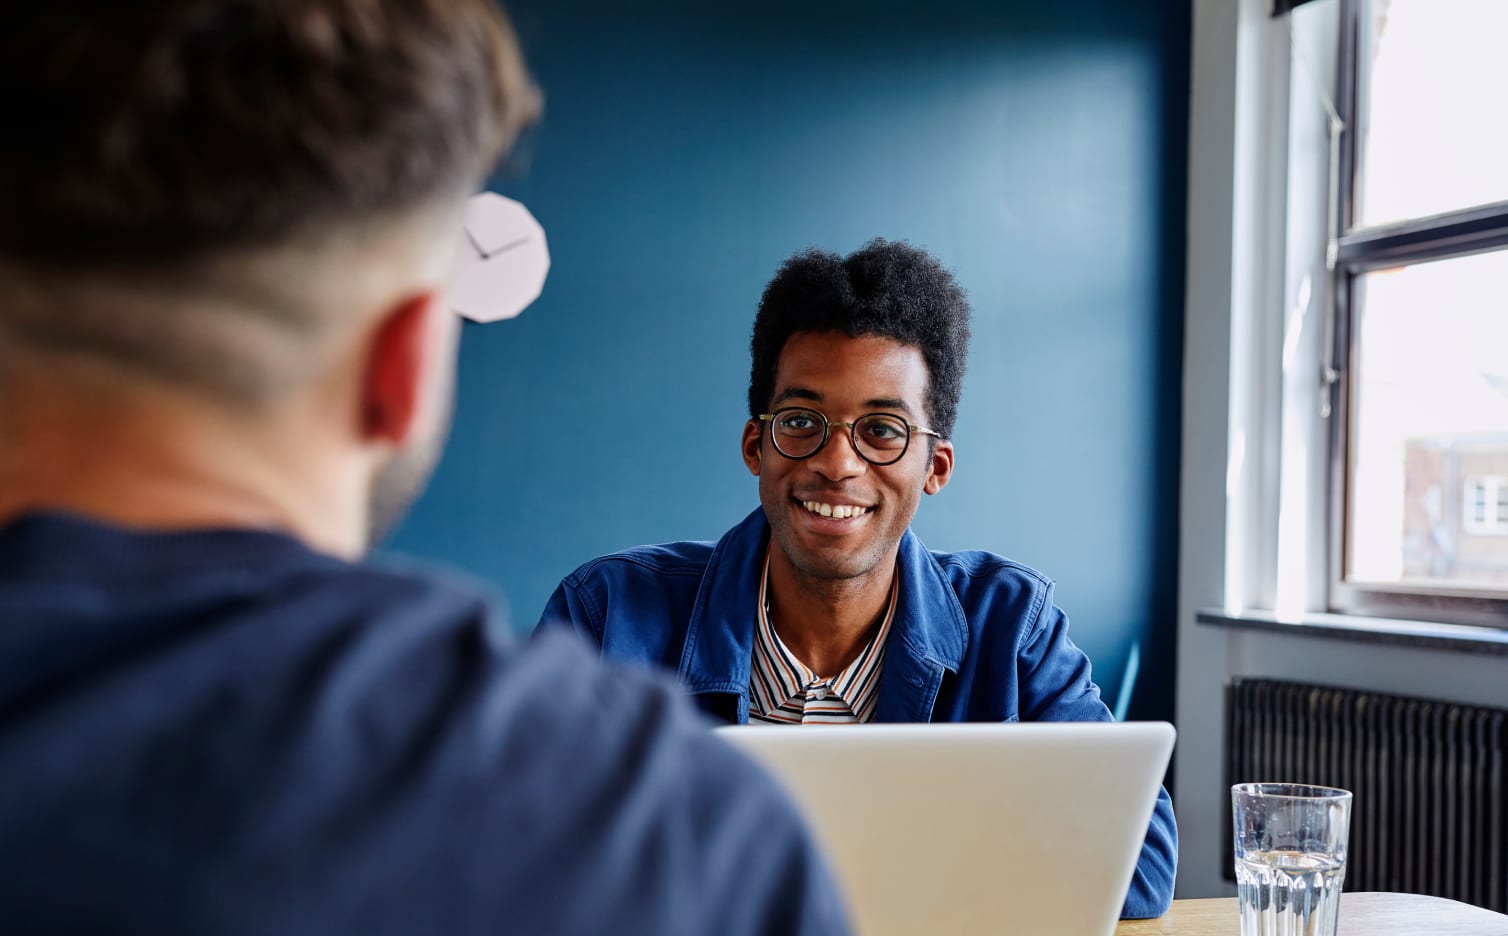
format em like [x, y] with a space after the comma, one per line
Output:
[151, 130]
[162, 150]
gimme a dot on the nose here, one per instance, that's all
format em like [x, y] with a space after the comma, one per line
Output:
[838, 459]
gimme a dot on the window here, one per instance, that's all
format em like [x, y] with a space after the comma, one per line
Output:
[1419, 445]
[1485, 510]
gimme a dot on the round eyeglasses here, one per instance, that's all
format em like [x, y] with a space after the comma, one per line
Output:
[879, 438]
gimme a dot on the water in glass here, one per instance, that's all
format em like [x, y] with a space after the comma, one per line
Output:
[1288, 893]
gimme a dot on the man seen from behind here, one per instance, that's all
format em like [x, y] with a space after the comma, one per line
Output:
[225, 359]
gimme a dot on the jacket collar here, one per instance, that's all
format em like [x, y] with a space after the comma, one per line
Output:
[929, 634]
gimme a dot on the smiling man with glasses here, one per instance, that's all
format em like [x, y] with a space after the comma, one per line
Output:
[821, 607]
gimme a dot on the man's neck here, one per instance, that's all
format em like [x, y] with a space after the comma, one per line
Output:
[166, 465]
[827, 623]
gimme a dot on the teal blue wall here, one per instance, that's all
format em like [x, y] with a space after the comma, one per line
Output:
[1038, 148]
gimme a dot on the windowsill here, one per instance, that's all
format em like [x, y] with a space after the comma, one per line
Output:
[1461, 638]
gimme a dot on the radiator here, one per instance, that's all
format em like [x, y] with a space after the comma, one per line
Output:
[1429, 811]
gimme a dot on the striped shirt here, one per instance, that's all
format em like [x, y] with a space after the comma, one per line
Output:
[784, 691]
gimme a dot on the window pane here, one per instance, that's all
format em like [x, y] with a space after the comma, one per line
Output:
[1430, 425]
[1432, 134]
[1476, 502]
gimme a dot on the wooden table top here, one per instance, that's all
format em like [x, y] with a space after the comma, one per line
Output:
[1360, 915]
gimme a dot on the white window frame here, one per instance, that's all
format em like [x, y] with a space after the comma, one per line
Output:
[1288, 387]
[1358, 251]
[1494, 521]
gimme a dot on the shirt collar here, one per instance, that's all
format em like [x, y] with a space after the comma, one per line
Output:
[777, 676]
[929, 634]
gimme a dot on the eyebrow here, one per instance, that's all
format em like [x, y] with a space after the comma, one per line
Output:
[888, 403]
[797, 393]
[877, 403]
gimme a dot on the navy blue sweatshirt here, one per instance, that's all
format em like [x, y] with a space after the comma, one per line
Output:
[224, 732]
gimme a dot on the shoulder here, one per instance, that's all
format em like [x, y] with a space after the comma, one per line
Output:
[643, 578]
[975, 570]
[530, 733]
[592, 758]
[1003, 601]
[390, 590]
[561, 691]
[539, 741]
[611, 723]
[634, 603]
[686, 559]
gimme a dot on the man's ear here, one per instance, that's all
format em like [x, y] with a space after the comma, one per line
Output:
[753, 436]
[941, 468]
[399, 358]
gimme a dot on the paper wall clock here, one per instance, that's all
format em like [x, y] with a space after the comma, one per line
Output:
[503, 263]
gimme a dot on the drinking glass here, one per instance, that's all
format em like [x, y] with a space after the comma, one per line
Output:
[1290, 857]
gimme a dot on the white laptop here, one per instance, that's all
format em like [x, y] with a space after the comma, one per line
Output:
[959, 829]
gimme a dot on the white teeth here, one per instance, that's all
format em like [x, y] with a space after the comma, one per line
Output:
[839, 512]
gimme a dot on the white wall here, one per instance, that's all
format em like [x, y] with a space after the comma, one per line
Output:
[1240, 272]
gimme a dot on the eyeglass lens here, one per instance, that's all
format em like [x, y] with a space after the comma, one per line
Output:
[880, 438]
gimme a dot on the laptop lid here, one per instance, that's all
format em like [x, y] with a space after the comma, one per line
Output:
[1018, 828]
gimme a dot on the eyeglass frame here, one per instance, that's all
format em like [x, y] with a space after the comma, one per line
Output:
[853, 439]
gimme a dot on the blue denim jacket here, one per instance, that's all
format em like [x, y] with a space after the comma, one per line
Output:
[975, 638]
